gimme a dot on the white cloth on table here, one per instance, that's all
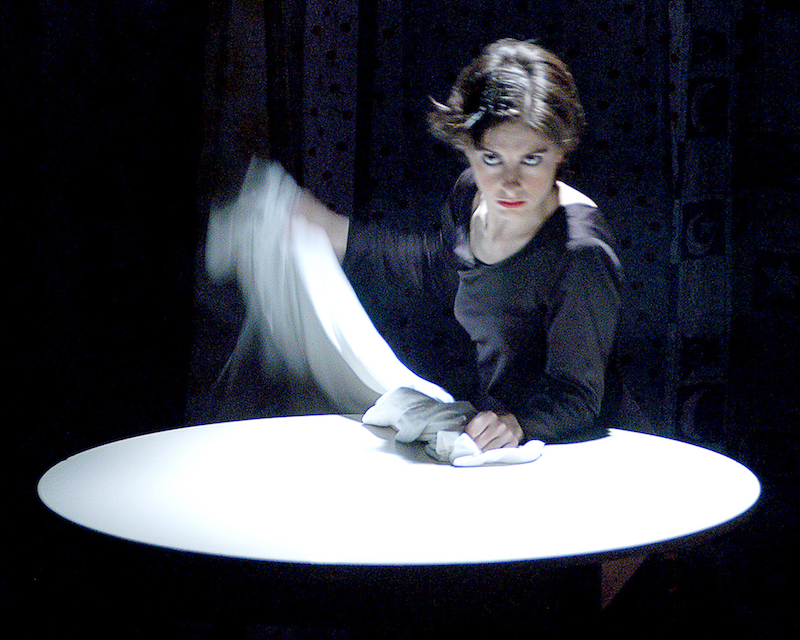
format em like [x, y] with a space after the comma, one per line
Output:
[463, 452]
[440, 425]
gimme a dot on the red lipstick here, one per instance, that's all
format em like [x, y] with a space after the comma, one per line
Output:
[511, 204]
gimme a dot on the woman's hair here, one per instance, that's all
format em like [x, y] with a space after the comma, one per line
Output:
[510, 80]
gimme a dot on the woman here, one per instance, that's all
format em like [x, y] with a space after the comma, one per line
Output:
[526, 262]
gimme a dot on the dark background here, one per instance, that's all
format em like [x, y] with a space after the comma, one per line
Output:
[125, 121]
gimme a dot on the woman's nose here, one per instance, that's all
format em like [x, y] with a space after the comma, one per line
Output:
[512, 175]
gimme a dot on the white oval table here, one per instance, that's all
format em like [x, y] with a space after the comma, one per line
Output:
[328, 490]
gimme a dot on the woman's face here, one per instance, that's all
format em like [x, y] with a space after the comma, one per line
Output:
[515, 169]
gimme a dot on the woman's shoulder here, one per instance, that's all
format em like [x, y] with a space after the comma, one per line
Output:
[587, 229]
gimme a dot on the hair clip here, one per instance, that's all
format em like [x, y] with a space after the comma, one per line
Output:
[475, 117]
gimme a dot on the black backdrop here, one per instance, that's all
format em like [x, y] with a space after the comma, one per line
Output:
[124, 121]
[101, 136]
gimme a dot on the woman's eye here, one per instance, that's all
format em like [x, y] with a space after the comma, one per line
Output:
[532, 160]
[490, 159]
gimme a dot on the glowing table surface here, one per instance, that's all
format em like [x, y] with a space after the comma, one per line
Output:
[329, 490]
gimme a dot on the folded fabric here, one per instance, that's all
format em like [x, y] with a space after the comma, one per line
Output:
[300, 305]
[462, 451]
[440, 426]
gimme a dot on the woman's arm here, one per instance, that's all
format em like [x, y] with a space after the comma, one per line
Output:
[580, 339]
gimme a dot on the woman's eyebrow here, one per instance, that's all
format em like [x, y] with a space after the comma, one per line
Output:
[533, 152]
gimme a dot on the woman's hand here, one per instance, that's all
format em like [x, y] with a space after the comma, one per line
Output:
[335, 225]
[492, 431]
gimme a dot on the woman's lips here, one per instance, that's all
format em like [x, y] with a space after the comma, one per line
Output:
[511, 204]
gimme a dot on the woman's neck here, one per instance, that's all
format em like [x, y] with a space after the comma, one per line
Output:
[494, 238]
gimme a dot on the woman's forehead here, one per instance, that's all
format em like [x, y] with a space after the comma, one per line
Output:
[515, 135]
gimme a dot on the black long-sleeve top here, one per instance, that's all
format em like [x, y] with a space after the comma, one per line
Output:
[535, 332]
